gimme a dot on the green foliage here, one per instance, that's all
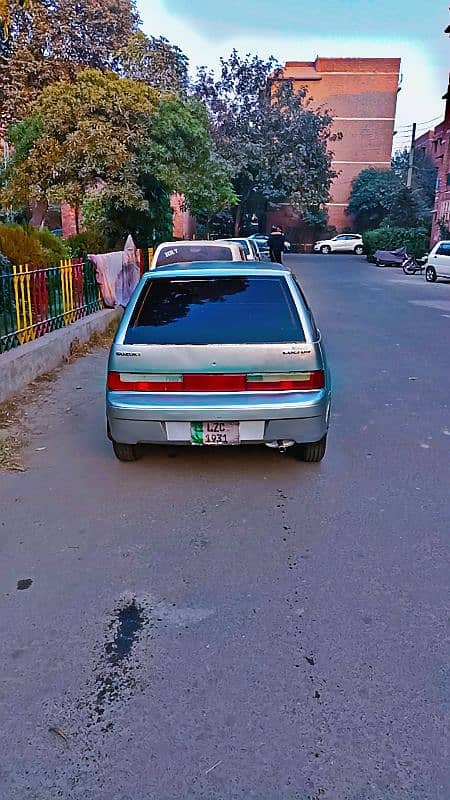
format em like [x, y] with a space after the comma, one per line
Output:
[154, 61]
[180, 153]
[147, 226]
[316, 218]
[386, 237]
[54, 247]
[50, 40]
[83, 244]
[26, 245]
[117, 140]
[87, 137]
[275, 145]
[21, 245]
[371, 198]
[383, 196]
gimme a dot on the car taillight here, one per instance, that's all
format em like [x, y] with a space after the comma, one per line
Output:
[286, 381]
[135, 382]
[206, 382]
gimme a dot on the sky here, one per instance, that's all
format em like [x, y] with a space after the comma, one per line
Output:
[299, 30]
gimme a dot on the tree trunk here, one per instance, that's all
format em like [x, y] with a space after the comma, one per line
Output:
[238, 220]
[38, 212]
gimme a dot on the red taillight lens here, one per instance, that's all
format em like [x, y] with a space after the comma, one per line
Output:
[213, 383]
[129, 382]
[200, 382]
[298, 381]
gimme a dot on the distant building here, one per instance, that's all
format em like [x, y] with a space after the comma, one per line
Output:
[436, 144]
[361, 96]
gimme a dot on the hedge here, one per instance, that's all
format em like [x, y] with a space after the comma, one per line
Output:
[21, 245]
[416, 240]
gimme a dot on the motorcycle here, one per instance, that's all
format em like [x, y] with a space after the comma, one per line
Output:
[411, 265]
[390, 258]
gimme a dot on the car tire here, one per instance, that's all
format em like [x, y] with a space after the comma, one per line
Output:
[430, 274]
[126, 452]
[313, 452]
[325, 250]
[359, 250]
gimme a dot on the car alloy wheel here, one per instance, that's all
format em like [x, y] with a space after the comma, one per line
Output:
[325, 249]
[359, 250]
[430, 274]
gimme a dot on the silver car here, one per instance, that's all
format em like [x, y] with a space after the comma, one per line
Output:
[218, 354]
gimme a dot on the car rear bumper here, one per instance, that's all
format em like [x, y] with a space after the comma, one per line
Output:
[149, 418]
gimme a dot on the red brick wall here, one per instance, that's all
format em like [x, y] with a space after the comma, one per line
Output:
[436, 144]
[361, 95]
[183, 222]
[68, 220]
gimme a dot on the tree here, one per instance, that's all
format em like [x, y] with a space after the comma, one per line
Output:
[80, 137]
[371, 198]
[273, 141]
[118, 140]
[182, 154]
[114, 221]
[154, 61]
[50, 40]
[383, 195]
[423, 183]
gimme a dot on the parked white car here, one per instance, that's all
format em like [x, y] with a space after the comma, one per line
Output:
[184, 251]
[343, 243]
[249, 247]
[438, 262]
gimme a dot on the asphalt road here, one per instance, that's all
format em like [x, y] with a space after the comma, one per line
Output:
[224, 624]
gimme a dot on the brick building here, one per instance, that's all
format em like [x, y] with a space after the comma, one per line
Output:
[436, 144]
[361, 96]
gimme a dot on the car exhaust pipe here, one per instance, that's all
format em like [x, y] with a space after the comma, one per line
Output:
[281, 445]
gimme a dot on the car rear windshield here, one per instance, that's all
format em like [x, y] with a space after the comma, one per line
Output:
[213, 310]
[203, 252]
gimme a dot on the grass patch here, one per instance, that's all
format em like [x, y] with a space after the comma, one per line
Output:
[104, 339]
[11, 452]
[14, 412]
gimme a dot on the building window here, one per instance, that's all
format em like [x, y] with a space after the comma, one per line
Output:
[448, 178]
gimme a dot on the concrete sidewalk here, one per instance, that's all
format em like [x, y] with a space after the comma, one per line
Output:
[23, 364]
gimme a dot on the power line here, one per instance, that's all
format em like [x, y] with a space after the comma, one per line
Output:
[419, 124]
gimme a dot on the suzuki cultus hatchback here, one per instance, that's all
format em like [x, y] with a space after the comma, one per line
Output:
[214, 354]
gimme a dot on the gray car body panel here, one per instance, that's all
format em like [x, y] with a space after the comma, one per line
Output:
[301, 416]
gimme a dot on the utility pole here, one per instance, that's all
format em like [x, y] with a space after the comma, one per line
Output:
[411, 157]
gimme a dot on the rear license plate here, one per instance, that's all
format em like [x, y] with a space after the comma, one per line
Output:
[215, 433]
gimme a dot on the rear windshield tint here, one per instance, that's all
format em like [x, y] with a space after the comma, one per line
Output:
[207, 310]
[177, 255]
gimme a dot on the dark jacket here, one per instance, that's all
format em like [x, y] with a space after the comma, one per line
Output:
[276, 242]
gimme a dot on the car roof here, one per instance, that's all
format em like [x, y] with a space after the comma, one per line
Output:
[197, 243]
[216, 269]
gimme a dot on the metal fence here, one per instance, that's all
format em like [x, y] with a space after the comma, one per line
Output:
[34, 301]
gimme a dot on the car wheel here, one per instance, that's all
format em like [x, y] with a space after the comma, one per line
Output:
[430, 274]
[359, 250]
[312, 452]
[126, 452]
[325, 249]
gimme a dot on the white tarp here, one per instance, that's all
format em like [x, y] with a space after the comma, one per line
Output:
[117, 274]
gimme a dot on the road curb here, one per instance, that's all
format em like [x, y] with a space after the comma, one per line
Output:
[25, 363]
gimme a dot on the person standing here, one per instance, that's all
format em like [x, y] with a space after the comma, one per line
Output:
[276, 244]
